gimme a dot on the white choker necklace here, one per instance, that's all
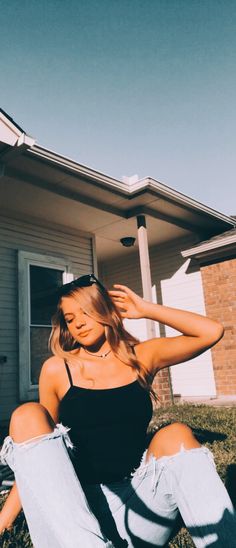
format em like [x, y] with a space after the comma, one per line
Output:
[103, 355]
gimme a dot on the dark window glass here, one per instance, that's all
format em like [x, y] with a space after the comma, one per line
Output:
[43, 284]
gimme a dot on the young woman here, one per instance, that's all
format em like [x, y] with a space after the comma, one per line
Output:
[106, 488]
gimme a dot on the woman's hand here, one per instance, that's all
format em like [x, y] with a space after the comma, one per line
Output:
[3, 524]
[129, 303]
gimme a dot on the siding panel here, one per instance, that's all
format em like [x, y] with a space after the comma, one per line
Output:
[53, 241]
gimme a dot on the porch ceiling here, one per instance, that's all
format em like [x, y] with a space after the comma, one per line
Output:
[37, 183]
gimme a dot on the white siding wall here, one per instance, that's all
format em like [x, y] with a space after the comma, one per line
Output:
[15, 235]
[124, 270]
[177, 286]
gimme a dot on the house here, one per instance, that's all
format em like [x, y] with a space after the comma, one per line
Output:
[60, 219]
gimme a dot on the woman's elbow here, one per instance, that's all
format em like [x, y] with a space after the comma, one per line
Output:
[218, 332]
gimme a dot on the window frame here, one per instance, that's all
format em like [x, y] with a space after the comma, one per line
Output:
[27, 390]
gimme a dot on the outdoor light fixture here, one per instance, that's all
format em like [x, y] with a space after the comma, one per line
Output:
[128, 241]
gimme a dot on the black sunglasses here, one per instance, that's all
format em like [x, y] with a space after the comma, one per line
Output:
[82, 281]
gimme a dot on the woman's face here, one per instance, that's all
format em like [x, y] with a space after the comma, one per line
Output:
[84, 329]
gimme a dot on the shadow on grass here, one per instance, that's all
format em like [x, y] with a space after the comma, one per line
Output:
[230, 482]
[209, 436]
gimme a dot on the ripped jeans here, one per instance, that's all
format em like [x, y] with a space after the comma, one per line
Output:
[136, 512]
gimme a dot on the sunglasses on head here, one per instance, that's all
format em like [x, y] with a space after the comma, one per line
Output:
[83, 281]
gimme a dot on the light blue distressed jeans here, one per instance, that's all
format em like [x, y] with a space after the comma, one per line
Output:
[137, 512]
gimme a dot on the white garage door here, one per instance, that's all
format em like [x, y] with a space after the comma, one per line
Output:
[195, 377]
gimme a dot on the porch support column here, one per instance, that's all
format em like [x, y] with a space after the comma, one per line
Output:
[145, 268]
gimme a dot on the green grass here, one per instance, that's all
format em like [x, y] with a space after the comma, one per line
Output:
[211, 424]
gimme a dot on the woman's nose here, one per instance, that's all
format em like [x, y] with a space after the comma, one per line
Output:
[79, 321]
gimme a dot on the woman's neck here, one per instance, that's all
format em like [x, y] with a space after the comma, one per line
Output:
[100, 347]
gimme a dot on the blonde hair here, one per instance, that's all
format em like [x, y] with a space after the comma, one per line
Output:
[96, 302]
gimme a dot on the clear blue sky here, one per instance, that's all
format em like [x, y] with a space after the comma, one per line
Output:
[128, 86]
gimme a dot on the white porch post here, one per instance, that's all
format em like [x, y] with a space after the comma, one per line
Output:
[145, 268]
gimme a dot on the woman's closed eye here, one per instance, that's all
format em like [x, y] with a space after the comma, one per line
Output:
[68, 321]
[79, 317]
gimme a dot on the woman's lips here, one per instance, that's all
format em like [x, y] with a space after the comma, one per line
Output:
[83, 334]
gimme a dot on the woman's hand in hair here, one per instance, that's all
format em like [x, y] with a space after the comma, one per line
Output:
[128, 302]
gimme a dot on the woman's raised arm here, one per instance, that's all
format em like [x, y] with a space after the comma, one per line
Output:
[198, 332]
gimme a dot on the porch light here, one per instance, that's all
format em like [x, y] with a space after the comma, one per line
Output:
[128, 241]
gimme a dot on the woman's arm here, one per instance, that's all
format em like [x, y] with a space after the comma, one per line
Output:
[198, 332]
[47, 387]
[10, 510]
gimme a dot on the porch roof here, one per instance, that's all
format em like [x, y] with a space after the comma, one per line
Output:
[52, 188]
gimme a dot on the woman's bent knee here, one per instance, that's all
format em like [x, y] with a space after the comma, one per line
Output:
[29, 420]
[170, 439]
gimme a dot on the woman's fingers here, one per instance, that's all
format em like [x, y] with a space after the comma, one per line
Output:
[126, 300]
[120, 302]
[119, 298]
[121, 291]
[121, 286]
[124, 289]
[121, 305]
[117, 294]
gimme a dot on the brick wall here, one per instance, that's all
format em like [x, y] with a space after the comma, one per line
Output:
[162, 387]
[219, 284]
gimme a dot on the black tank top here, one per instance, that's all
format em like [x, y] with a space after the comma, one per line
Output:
[108, 429]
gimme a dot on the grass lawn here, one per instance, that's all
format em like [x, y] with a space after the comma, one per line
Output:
[213, 426]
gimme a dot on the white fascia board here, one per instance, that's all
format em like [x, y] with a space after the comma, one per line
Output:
[13, 135]
[78, 168]
[168, 192]
[9, 133]
[208, 246]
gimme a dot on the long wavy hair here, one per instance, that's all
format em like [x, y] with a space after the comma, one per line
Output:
[97, 303]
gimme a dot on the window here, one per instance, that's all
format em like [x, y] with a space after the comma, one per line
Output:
[39, 277]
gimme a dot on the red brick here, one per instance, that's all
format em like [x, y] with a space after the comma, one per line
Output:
[219, 286]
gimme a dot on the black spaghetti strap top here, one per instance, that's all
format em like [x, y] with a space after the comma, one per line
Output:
[68, 373]
[108, 429]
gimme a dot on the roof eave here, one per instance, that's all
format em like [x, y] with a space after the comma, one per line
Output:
[208, 249]
[144, 184]
[188, 202]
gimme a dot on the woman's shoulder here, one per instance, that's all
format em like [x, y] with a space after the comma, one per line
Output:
[52, 366]
[142, 347]
[148, 352]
